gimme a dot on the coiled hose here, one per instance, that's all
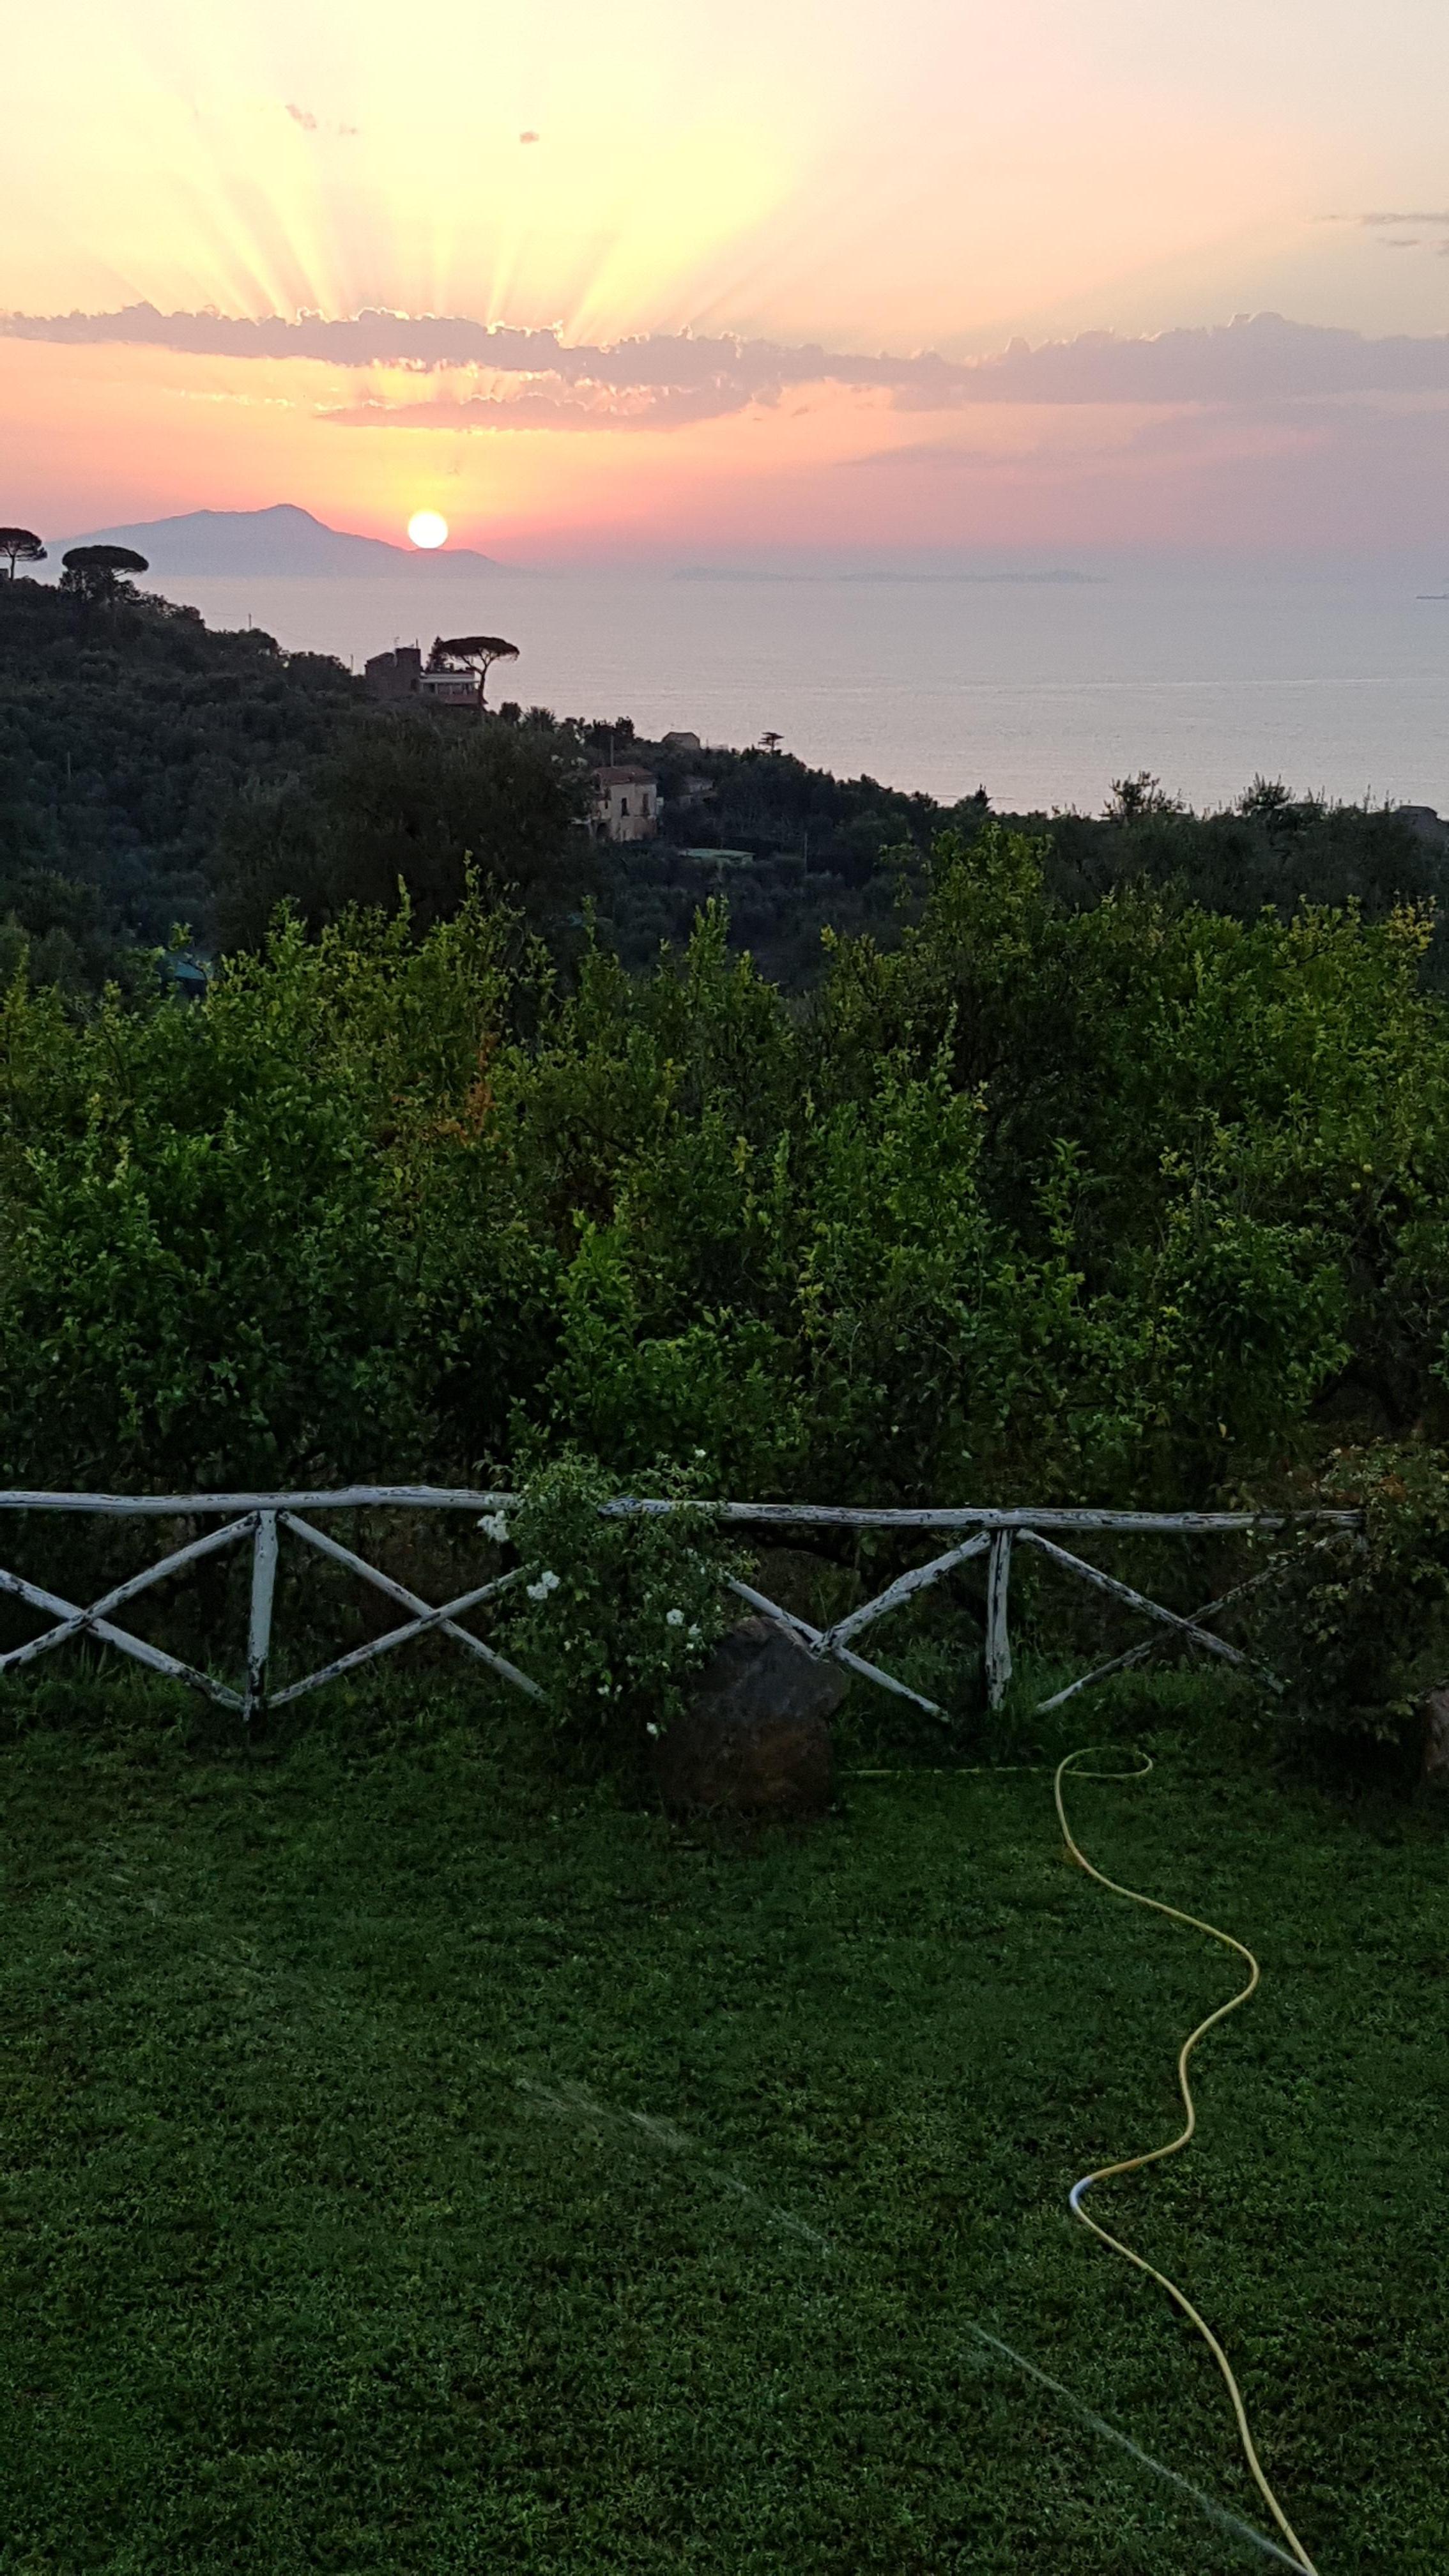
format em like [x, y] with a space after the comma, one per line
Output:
[1073, 1767]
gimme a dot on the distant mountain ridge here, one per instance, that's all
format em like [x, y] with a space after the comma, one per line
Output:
[277, 541]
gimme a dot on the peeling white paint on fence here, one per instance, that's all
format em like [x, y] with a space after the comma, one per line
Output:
[986, 1530]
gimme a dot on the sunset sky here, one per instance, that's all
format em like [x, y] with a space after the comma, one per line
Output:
[773, 259]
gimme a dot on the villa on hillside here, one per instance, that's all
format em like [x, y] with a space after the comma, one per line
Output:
[626, 804]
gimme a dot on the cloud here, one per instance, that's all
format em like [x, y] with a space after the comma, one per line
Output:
[1253, 358]
[429, 342]
[1436, 221]
[597, 408]
[948, 456]
[668, 379]
[1281, 474]
[310, 124]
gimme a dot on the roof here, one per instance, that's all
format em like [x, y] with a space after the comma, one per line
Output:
[625, 777]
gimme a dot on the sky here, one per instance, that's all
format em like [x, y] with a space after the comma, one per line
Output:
[684, 281]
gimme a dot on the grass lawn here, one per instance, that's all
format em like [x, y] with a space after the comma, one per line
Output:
[331, 2240]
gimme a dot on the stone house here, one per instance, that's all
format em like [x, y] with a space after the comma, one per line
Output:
[402, 677]
[626, 804]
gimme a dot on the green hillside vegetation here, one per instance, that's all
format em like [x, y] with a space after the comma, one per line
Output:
[129, 734]
[829, 852]
[156, 772]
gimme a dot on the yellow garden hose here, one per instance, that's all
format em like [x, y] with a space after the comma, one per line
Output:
[1154, 2155]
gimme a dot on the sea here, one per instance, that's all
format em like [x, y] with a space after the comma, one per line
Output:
[1042, 687]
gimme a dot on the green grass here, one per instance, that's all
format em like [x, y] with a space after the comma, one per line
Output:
[329, 2241]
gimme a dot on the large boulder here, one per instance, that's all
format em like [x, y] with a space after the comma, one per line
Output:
[755, 1738]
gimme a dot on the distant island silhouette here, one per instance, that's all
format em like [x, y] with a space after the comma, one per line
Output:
[277, 541]
[728, 572]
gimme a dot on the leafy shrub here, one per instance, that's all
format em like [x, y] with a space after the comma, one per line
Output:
[613, 1616]
[1360, 1630]
[1036, 1206]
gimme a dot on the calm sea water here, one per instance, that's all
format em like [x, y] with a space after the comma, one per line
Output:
[1043, 692]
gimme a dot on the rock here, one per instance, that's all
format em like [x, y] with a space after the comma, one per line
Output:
[1436, 1736]
[755, 1738]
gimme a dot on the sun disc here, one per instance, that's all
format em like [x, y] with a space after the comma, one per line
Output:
[427, 528]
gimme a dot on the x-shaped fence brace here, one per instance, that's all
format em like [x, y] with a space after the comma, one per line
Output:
[993, 1534]
[262, 1527]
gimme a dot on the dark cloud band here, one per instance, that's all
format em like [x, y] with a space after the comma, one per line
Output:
[668, 380]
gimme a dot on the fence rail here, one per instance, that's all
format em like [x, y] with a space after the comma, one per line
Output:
[980, 1530]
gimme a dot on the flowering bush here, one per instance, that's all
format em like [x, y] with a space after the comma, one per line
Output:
[614, 1615]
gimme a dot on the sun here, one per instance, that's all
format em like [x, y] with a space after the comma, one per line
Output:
[427, 528]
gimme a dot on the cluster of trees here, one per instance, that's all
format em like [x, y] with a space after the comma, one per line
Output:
[130, 738]
[100, 576]
[829, 853]
[1131, 1200]
[406, 807]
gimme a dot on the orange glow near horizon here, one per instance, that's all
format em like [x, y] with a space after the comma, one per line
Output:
[775, 172]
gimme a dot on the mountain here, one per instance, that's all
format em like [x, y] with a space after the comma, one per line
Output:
[281, 540]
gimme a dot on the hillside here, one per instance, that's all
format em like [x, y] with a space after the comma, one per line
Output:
[155, 771]
[127, 738]
[278, 541]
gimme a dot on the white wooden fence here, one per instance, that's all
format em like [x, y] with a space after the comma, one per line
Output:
[261, 1520]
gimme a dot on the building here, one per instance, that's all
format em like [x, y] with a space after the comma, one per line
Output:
[682, 742]
[401, 678]
[393, 677]
[185, 974]
[626, 804]
[1425, 824]
[449, 689]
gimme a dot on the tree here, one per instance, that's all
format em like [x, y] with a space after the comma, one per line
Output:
[771, 741]
[1133, 798]
[415, 803]
[476, 653]
[22, 546]
[101, 574]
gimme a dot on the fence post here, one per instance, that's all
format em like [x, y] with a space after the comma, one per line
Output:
[998, 1636]
[259, 1627]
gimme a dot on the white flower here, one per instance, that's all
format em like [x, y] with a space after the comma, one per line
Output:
[695, 1634]
[674, 1619]
[651, 1728]
[494, 1526]
[540, 1590]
